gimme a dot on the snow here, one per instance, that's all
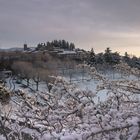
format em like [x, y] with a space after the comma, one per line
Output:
[75, 110]
[67, 52]
[2, 137]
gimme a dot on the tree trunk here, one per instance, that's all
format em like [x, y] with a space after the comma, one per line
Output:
[28, 82]
[37, 85]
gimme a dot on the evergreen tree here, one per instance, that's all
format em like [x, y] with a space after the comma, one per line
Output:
[100, 58]
[111, 58]
[92, 60]
[56, 44]
[64, 44]
[135, 62]
[71, 46]
[107, 56]
[39, 47]
[115, 58]
[126, 58]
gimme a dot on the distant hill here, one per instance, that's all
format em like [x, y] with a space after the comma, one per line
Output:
[12, 49]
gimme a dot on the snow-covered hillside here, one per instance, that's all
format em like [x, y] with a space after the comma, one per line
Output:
[73, 111]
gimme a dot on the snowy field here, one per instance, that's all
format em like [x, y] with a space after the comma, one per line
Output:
[87, 83]
[82, 82]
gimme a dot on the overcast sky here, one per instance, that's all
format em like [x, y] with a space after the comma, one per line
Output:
[87, 23]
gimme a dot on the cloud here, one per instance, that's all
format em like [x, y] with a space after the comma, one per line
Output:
[87, 23]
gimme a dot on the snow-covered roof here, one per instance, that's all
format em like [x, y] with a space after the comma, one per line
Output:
[67, 52]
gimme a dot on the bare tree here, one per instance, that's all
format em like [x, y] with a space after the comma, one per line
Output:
[23, 70]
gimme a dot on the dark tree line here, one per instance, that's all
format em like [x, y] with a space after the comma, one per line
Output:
[108, 57]
[132, 61]
[62, 44]
[112, 58]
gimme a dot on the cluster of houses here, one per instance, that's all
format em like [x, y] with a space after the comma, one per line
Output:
[76, 54]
